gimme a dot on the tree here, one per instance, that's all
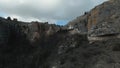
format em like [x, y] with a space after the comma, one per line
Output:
[9, 18]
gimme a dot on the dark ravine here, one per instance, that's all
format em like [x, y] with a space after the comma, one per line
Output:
[89, 41]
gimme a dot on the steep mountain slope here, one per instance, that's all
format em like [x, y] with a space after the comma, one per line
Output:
[104, 19]
[101, 20]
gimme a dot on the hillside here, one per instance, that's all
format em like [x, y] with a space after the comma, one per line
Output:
[89, 41]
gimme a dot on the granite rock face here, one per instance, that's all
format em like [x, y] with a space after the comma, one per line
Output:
[104, 19]
[100, 21]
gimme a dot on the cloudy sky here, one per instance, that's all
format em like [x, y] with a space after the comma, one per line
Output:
[53, 11]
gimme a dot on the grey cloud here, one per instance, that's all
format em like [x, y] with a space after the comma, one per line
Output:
[66, 10]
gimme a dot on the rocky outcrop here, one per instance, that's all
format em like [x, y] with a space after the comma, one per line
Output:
[39, 30]
[25, 45]
[104, 19]
[80, 23]
[103, 29]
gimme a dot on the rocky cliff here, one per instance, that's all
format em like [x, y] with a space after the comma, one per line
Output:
[101, 20]
[104, 19]
[90, 41]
